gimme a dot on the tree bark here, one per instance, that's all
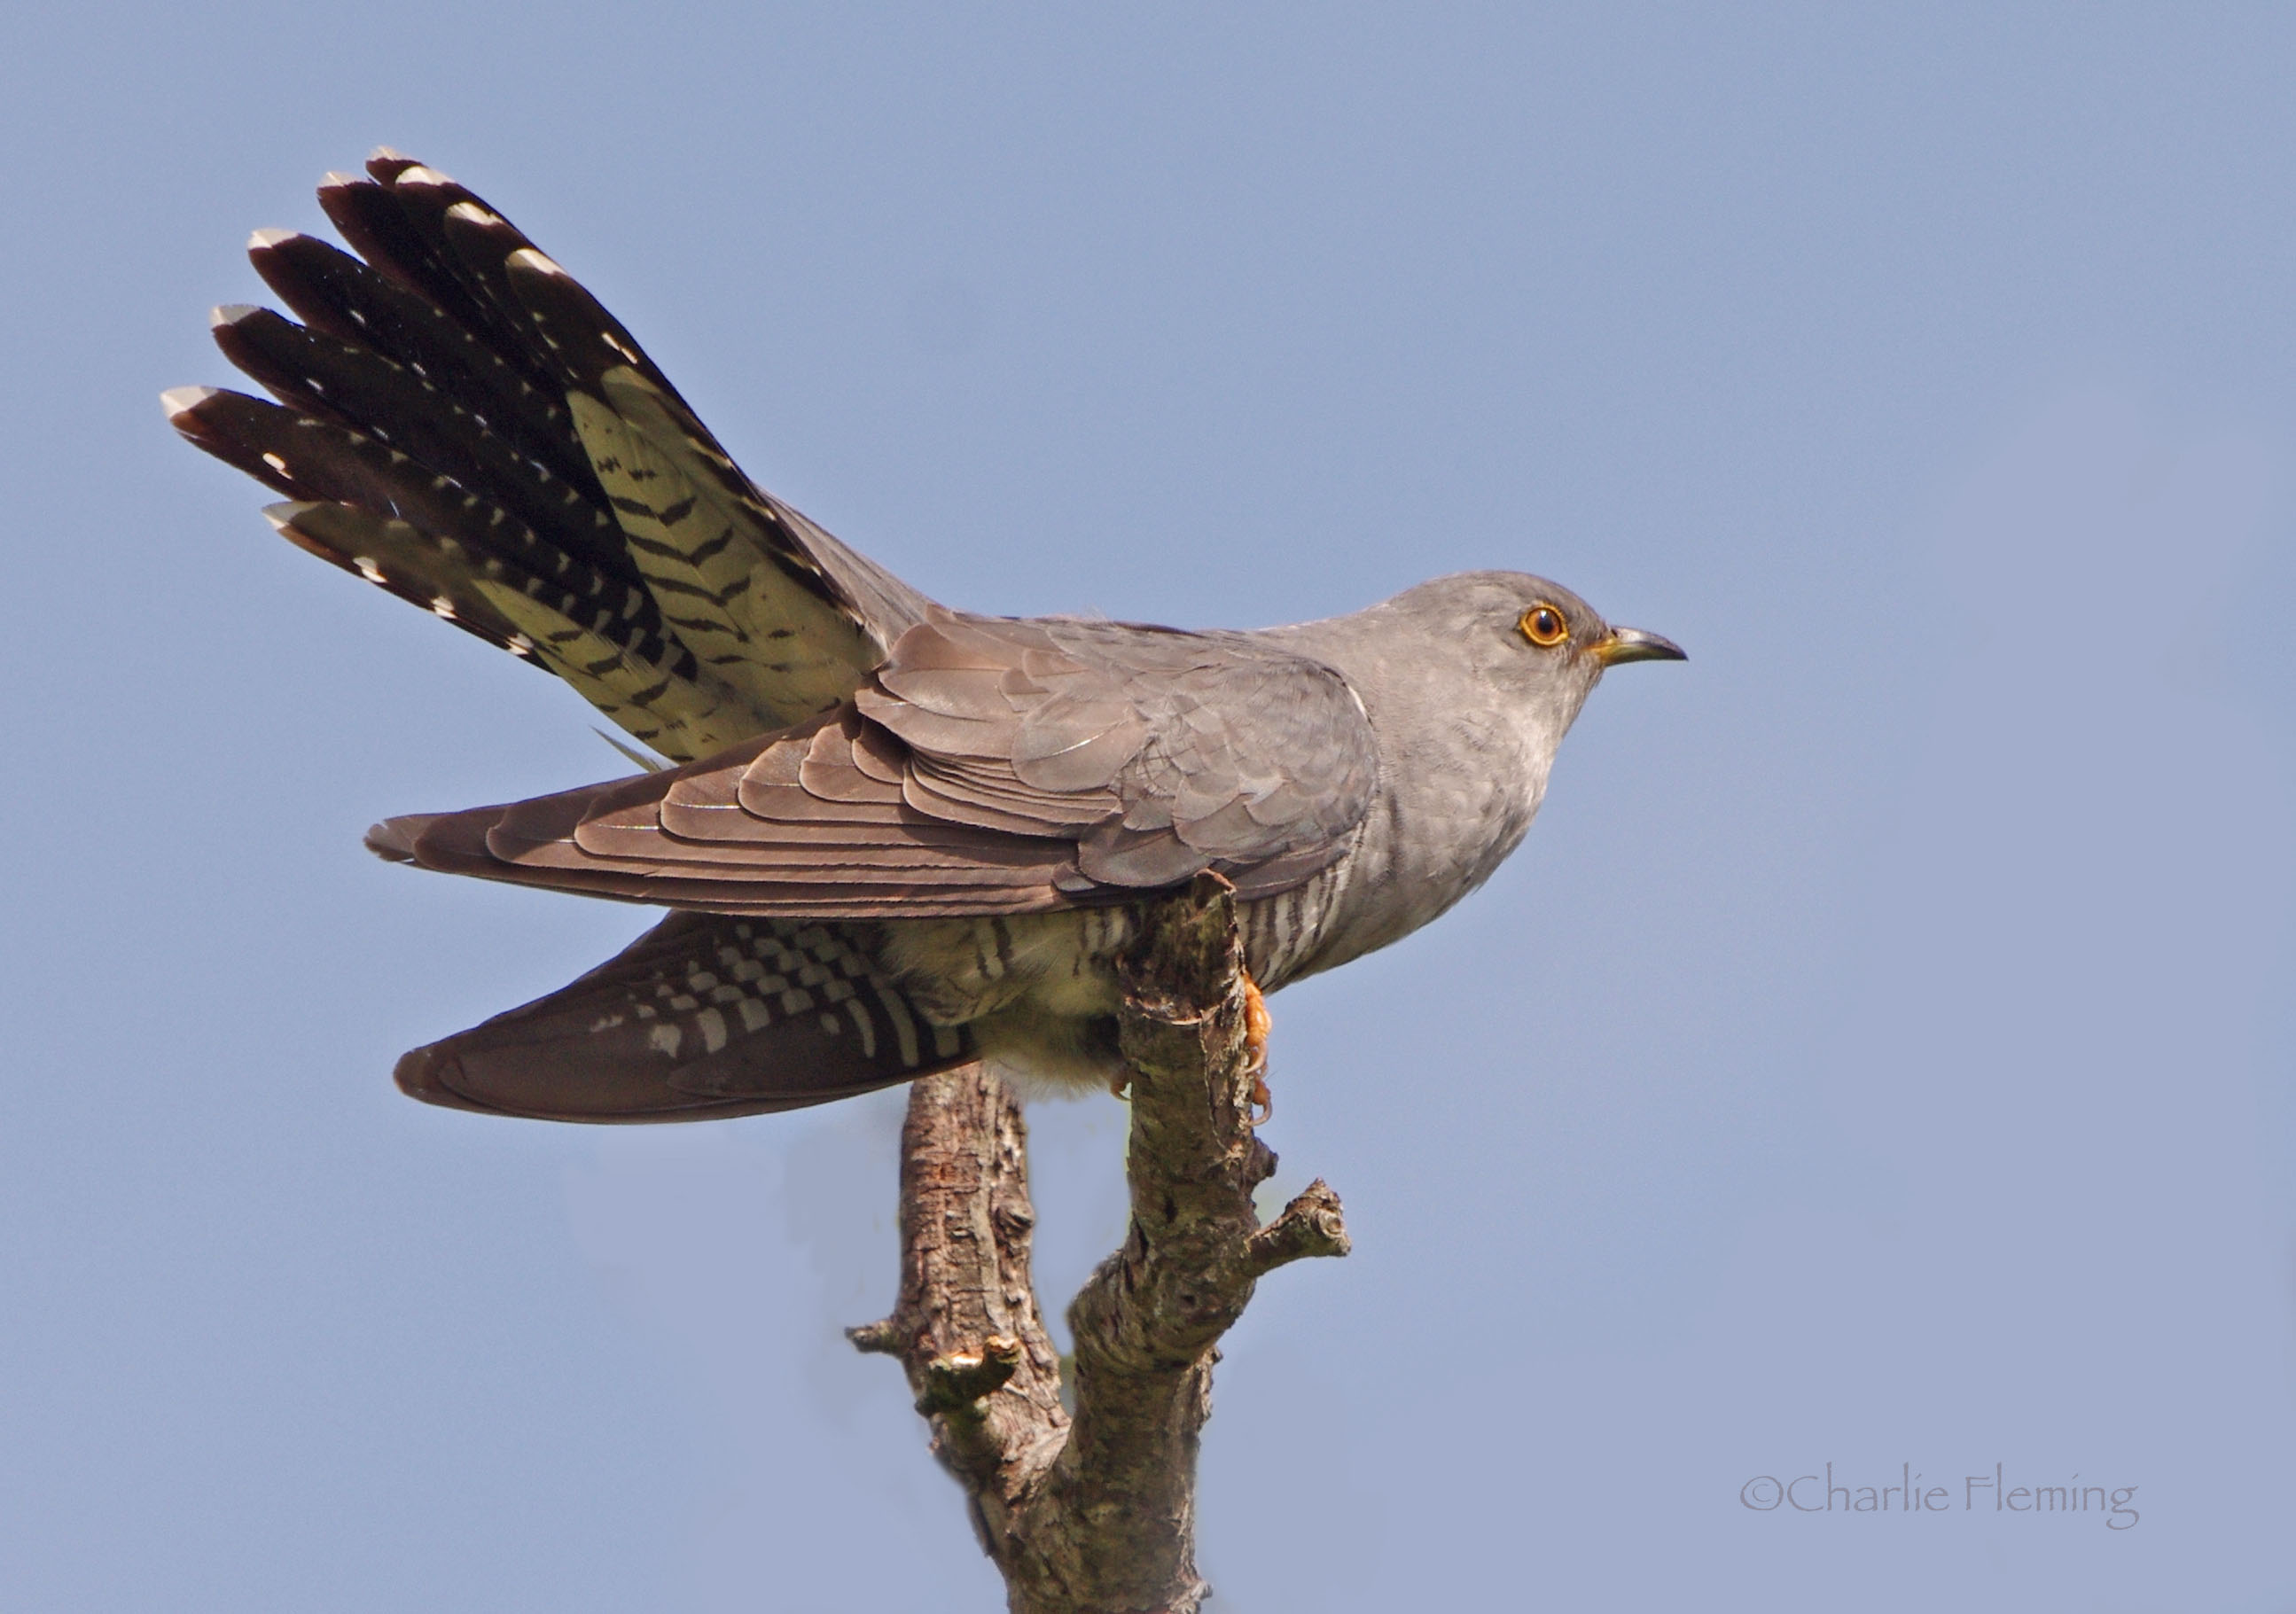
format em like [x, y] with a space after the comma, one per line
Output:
[1095, 1513]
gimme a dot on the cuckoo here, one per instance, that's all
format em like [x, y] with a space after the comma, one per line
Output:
[892, 836]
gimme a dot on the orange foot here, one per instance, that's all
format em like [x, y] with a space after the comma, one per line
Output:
[1255, 1027]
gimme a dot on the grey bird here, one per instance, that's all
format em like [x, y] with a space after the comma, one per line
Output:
[896, 837]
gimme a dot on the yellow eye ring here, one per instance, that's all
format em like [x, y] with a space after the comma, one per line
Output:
[1544, 625]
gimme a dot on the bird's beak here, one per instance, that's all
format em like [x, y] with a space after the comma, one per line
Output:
[1632, 644]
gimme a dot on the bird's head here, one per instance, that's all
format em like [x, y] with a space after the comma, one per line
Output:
[1531, 638]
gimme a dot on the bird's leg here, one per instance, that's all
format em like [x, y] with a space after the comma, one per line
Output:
[1255, 1027]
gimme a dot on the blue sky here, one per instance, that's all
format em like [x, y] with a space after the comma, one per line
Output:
[1878, 1055]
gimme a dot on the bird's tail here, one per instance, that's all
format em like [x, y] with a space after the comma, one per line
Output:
[461, 423]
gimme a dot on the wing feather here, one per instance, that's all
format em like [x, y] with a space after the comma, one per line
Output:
[704, 1016]
[1155, 758]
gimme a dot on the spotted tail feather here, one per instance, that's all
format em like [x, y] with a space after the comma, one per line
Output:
[460, 422]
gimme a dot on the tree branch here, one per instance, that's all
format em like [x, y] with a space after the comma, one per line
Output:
[1097, 1514]
[966, 1317]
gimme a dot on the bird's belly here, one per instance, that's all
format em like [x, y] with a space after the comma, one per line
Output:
[1038, 992]
[958, 971]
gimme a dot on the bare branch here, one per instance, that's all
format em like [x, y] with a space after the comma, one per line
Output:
[1097, 1515]
[966, 1221]
[1311, 1224]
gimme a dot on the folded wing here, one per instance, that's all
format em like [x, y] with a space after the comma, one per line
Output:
[991, 767]
[704, 1016]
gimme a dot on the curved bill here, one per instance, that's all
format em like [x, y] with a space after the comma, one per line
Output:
[1632, 644]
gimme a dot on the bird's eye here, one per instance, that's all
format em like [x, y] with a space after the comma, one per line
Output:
[1543, 627]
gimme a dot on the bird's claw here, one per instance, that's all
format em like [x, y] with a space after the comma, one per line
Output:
[1263, 1102]
[1257, 1024]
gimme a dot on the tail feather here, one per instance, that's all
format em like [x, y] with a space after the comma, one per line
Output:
[308, 457]
[679, 717]
[357, 388]
[395, 222]
[705, 1016]
[462, 423]
[397, 559]
[332, 292]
